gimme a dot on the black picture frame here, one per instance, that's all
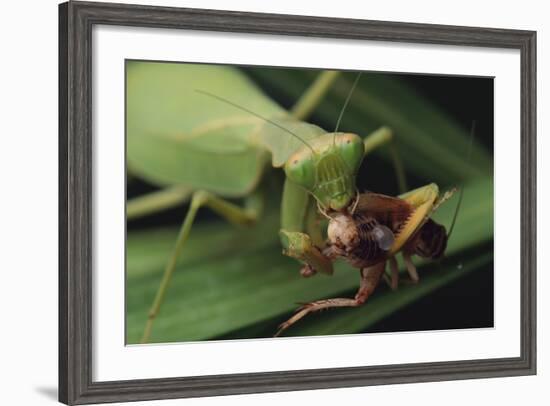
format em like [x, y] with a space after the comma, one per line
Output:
[76, 20]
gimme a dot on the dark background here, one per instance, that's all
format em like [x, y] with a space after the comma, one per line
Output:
[455, 304]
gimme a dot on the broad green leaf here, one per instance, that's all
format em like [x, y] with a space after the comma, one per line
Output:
[230, 278]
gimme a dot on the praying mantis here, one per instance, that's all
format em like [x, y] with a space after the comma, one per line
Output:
[227, 150]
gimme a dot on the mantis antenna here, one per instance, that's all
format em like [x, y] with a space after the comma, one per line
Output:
[461, 193]
[346, 104]
[256, 115]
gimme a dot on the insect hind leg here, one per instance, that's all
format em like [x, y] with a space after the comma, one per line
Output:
[307, 308]
[369, 280]
[393, 280]
[411, 268]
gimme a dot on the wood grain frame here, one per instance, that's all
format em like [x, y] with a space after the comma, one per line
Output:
[76, 20]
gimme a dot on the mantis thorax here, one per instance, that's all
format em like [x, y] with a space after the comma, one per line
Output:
[327, 168]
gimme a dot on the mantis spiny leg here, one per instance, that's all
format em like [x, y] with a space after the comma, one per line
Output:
[314, 94]
[229, 211]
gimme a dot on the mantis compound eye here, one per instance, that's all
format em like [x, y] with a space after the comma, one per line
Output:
[383, 236]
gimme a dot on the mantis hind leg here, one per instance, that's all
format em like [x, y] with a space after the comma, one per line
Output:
[384, 136]
[231, 212]
[369, 281]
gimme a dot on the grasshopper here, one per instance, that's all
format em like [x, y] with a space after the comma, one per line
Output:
[372, 231]
[229, 156]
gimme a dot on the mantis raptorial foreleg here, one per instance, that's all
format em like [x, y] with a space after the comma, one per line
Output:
[299, 246]
[231, 212]
[369, 280]
[425, 201]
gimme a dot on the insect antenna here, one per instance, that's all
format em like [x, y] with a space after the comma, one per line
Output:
[345, 106]
[461, 192]
[256, 115]
[455, 215]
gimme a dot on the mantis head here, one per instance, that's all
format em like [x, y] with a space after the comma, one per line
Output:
[327, 168]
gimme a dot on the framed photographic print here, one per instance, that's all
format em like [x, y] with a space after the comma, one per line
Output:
[258, 202]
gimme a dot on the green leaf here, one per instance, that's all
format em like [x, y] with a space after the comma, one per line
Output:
[230, 278]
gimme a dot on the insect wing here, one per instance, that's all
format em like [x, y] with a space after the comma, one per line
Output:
[383, 236]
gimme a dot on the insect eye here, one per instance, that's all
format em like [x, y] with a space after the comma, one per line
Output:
[301, 170]
[352, 149]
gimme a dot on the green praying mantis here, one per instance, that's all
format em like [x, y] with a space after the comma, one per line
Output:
[228, 148]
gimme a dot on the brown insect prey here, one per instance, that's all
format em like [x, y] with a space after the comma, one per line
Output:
[363, 235]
